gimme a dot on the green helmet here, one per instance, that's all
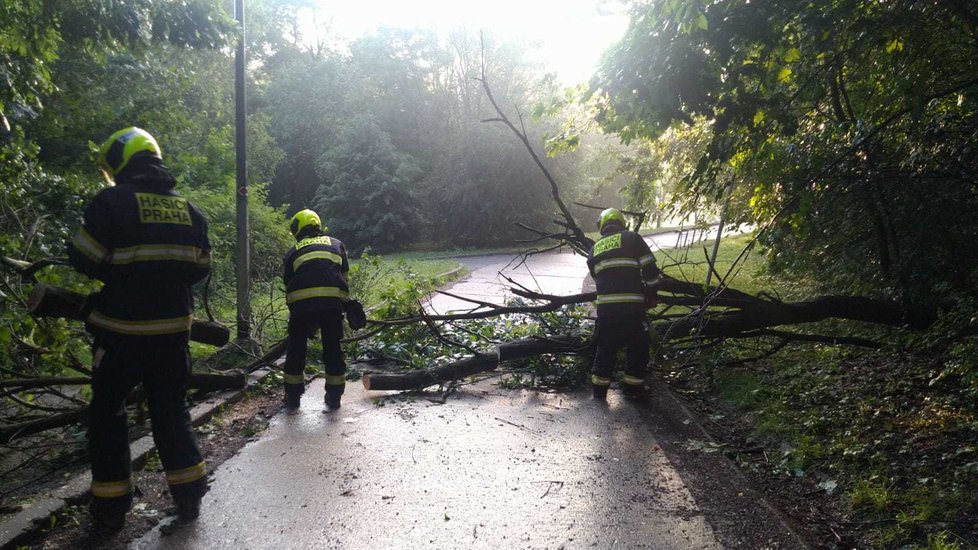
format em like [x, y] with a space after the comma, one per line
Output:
[610, 215]
[122, 146]
[303, 219]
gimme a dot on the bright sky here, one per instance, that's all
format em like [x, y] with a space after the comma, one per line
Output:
[572, 34]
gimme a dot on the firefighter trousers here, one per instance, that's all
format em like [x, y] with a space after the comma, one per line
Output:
[612, 333]
[303, 324]
[164, 372]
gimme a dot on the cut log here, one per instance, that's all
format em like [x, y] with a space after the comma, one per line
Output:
[456, 370]
[416, 380]
[50, 301]
[209, 332]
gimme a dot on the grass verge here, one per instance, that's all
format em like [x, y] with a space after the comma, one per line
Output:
[867, 449]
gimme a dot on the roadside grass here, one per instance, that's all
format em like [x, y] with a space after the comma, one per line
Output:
[889, 436]
[374, 280]
[690, 264]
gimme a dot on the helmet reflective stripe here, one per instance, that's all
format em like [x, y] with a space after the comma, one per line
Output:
[111, 489]
[186, 475]
[121, 146]
[610, 215]
[620, 299]
[616, 262]
[303, 219]
[315, 292]
[316, 255]
[150, 327]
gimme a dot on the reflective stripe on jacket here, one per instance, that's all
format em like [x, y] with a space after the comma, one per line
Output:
[314, 272]
[620, 262]
[148, 245]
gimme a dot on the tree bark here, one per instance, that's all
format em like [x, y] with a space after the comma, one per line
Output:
[50, 301]
[456, 370]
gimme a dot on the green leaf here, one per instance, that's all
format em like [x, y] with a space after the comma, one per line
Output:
[792, 55]
[702, 23]
[895, 45]
[784, 76]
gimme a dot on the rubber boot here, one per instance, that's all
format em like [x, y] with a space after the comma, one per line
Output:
[109, 514]
[292, 401]
[599, 392]
[633, 392]
[333, 399]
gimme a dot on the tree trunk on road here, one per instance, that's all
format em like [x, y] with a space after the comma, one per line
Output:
[456, 370]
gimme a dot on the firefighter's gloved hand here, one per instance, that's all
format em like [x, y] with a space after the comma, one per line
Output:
[651, 297]
[356, 317]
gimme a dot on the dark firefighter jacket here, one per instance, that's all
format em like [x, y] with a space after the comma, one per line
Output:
[314, 273]
[148, 246]
[620, 262]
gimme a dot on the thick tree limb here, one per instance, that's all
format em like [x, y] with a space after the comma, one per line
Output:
[744, 313]
[789, 337]
[26, 270]
[50, 301]
[474, 364]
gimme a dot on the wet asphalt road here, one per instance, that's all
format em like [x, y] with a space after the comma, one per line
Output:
[487, 468]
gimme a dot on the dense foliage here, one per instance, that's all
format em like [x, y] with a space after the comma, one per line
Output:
[382, 136]
[385, 140]
[848, 128]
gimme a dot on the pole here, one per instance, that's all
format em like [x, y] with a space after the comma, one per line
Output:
[241, 178]
[716, 243]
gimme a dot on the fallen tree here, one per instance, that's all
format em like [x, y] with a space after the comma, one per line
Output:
[474, 364]
[706, 314]
[714, 313]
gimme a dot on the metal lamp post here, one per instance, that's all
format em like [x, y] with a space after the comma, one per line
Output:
[241, 179]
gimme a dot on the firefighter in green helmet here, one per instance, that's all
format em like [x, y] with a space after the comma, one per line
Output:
[620, 262]
[315, 275]
[148, 246]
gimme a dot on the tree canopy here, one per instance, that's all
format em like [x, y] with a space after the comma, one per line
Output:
[847, 127]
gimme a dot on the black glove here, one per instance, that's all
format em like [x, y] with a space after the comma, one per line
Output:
[356, 317]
